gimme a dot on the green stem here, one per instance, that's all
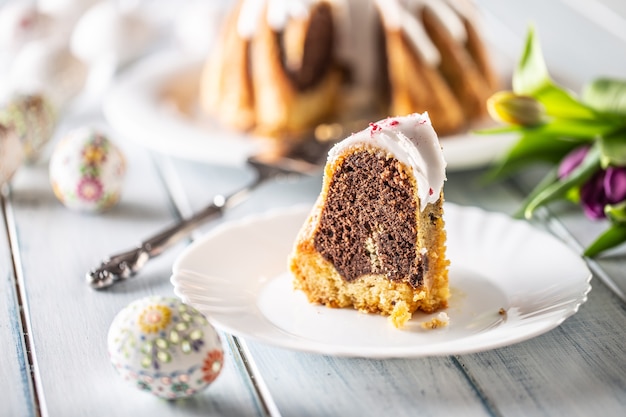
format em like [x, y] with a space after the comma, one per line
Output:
[550, 178]
[610, 238]
[558, 189]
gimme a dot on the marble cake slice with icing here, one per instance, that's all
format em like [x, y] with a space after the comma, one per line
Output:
[375, 239]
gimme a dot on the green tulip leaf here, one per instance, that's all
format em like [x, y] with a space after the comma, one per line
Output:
[531, 78]
[606, 95]
[616, 212]
[531, 74]
[533, 146]
[614, 236]
[613, 149]
[561, 188]
[575, 129]
[560, 103]
[498, 130]
[547, 181]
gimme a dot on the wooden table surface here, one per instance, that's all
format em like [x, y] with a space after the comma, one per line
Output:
[53, 326]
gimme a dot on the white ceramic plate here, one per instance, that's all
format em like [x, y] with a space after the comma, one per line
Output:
[136, 108]
[237, 276]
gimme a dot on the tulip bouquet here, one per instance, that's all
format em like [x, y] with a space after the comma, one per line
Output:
[584, 139]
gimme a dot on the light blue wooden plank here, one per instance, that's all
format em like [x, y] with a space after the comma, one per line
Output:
[314, 385]
[575, 370]
[16, 389]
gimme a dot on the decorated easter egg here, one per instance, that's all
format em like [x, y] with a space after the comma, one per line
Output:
[164, 346]
[34, 120]
[87, 170]
[11, 153]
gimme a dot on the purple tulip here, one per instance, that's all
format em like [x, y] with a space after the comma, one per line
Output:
[604, 187]
[572, 160]
[615, 184]
[592, 196]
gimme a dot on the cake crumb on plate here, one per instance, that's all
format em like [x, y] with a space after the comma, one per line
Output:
[441, 320]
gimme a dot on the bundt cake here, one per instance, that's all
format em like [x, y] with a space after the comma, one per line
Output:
[283, 66]
[375, 238]
[275, 74]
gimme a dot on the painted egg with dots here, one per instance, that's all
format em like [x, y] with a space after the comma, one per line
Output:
[87, 170]
[11, 153]
[164, 346]
[34, 120]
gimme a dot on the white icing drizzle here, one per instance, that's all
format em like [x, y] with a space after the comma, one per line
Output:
[249, 16]
[449, 19]
[404, 15]
[410, 139]
[355, 29]
[278, 14]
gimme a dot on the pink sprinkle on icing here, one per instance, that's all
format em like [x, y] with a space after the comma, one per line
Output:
[430, 191]
[375, 127]
[394, 123]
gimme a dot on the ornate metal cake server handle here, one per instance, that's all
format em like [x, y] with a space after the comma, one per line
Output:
[306, 159]
[126, 264]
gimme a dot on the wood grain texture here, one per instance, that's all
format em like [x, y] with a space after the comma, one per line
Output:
[576, 369]
[315, 385]
[16, 389]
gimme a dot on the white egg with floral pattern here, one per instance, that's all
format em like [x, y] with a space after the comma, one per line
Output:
[165, 347]
[87, 171]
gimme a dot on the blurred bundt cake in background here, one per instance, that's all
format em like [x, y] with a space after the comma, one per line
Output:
[282, 66]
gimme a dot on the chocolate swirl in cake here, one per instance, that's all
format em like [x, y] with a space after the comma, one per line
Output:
[375, 238]
[369, 225]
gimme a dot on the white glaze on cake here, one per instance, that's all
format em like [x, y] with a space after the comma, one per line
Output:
[413, 141]
[355, 29]
[401, 15]
[278, 14]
